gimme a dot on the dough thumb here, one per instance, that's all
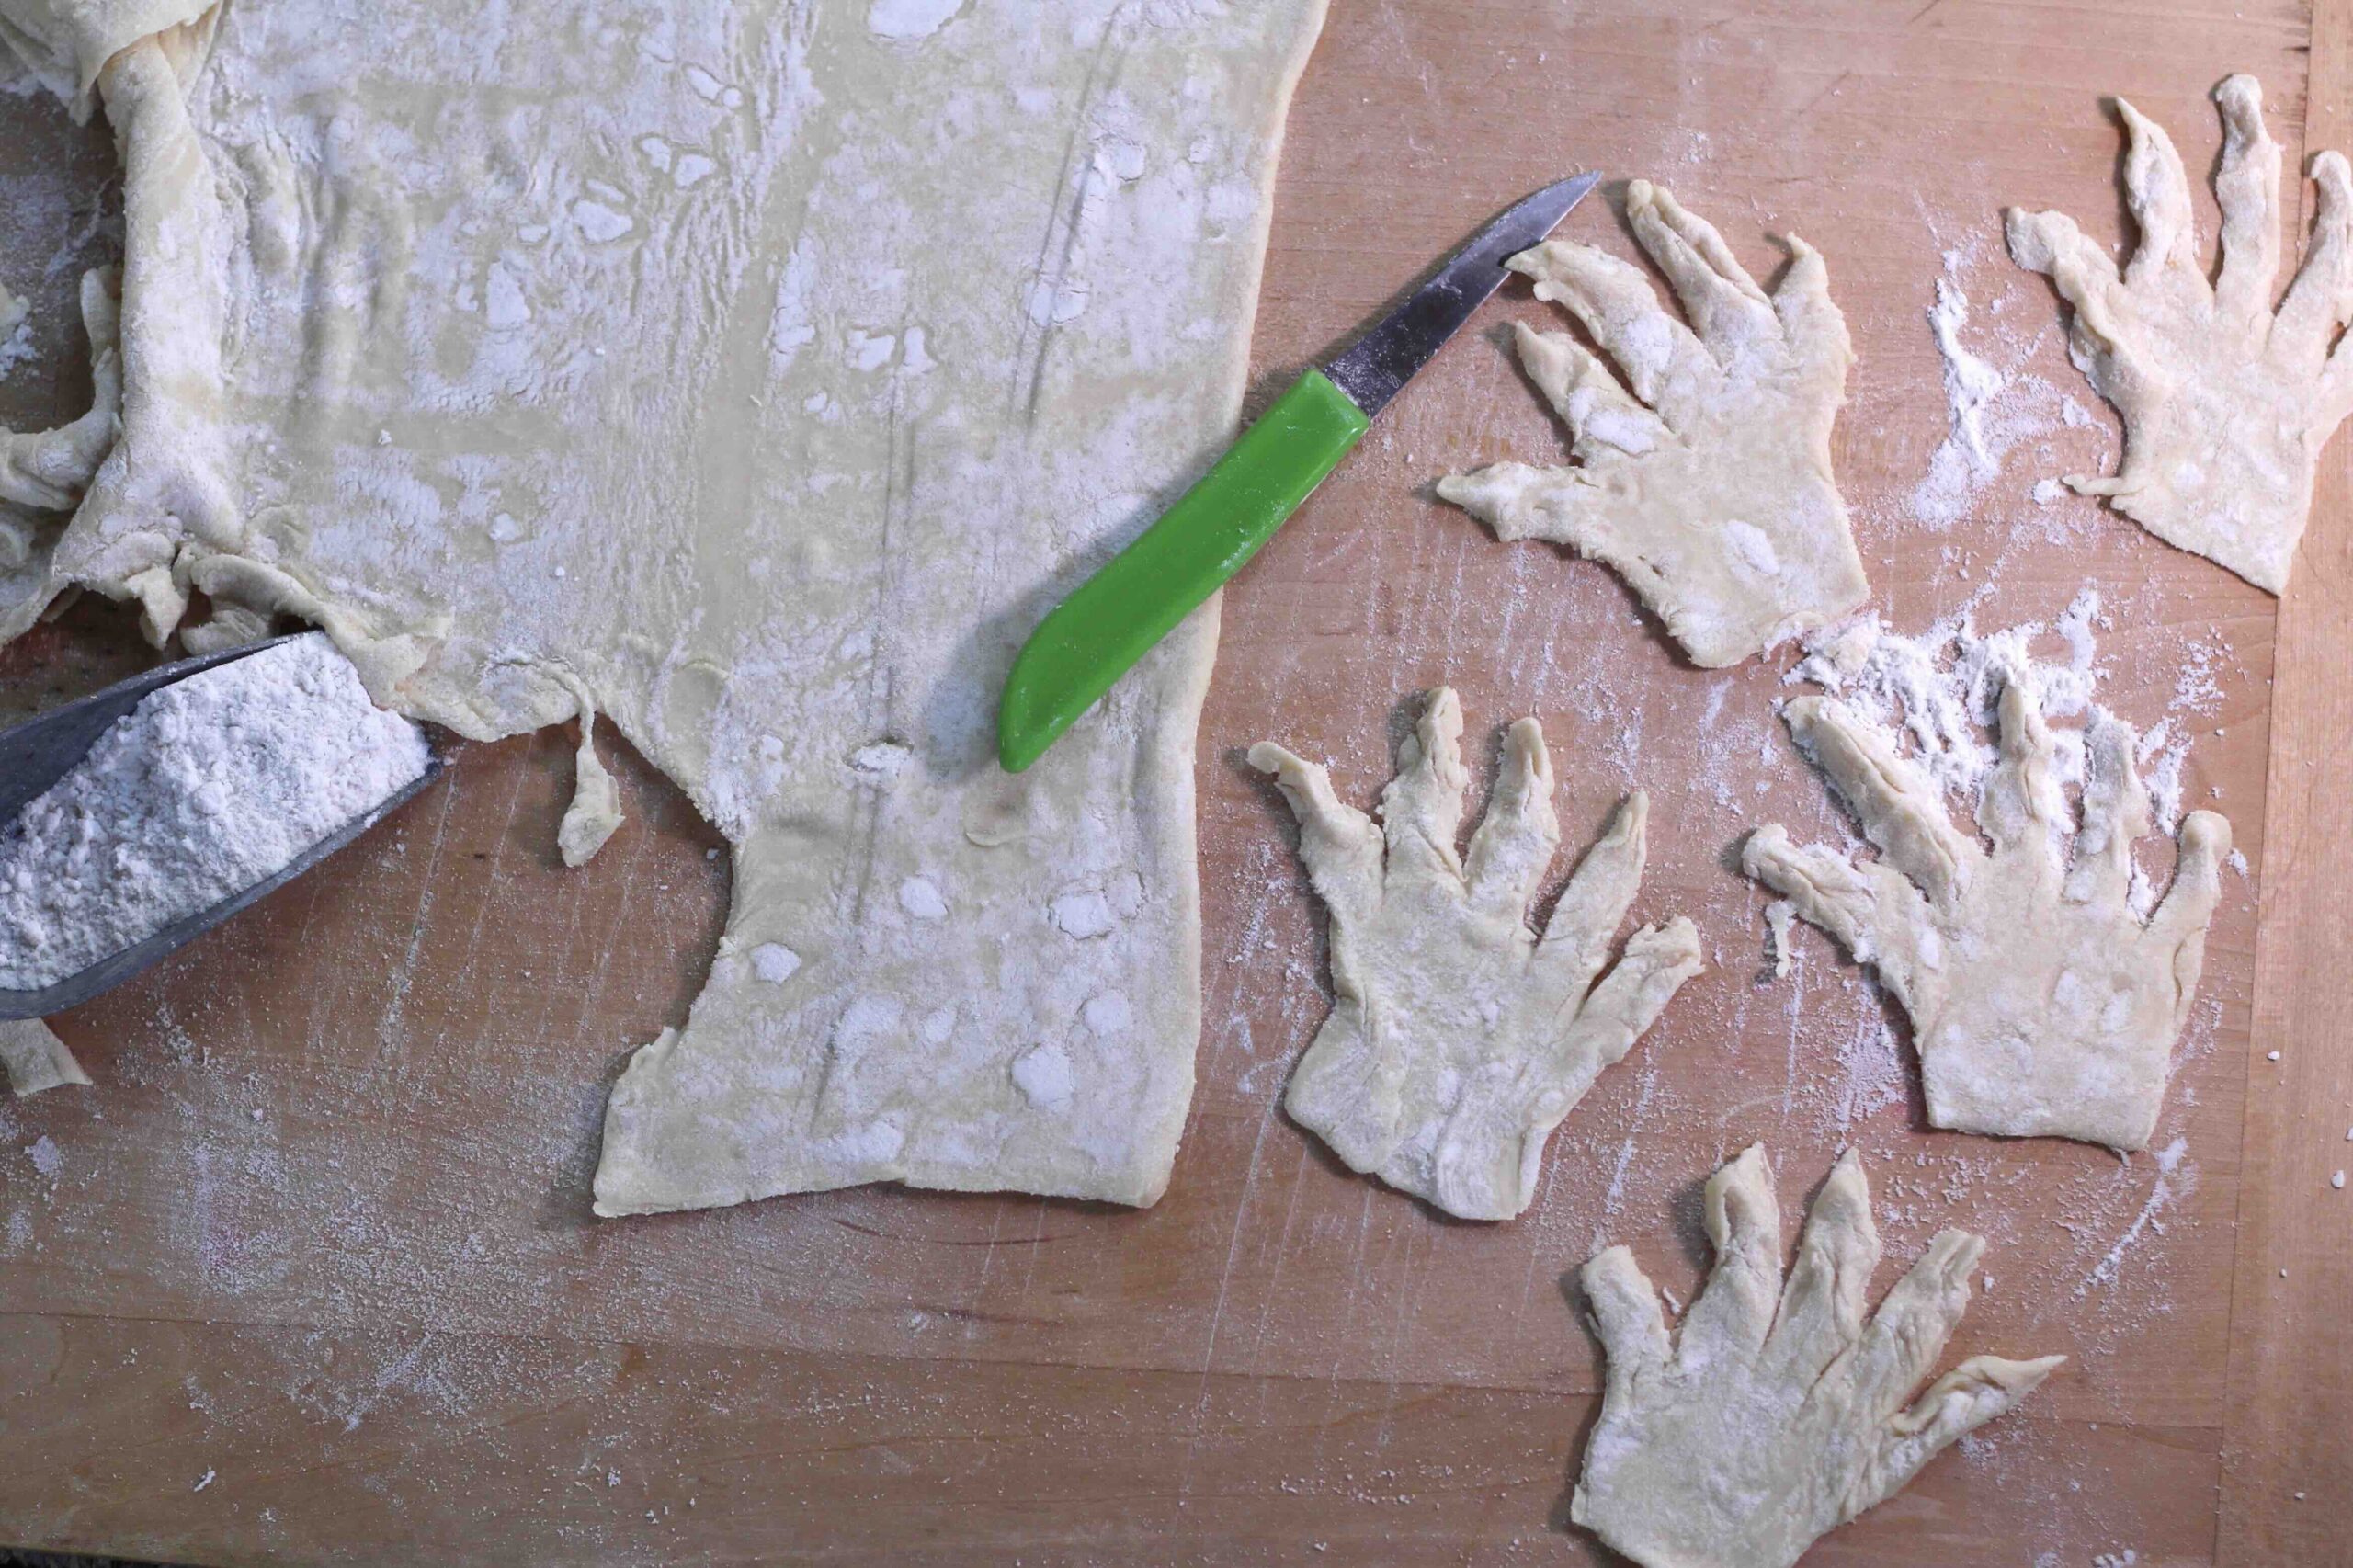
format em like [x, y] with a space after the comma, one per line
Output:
[1521, 501]
[2083, 273]
[1625, 1313]
[1954, 1405]
[1658, 961]
[1827, 890]
[2197, 879]
[1338, 843]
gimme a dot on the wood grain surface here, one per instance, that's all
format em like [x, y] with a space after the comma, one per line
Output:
[309, 1275]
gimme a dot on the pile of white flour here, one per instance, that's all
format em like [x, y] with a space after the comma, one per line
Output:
[210, 785]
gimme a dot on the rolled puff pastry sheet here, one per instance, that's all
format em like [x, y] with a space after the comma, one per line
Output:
[753, 376]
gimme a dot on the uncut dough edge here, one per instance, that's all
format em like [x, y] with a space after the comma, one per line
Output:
[991, 1047]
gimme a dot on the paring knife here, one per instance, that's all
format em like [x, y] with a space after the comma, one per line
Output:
[1091, 638]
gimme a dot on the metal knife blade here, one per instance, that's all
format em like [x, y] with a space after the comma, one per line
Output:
[1385, 358]
[1138, 597]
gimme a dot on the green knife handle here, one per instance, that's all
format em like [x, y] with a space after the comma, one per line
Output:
[1115, 616]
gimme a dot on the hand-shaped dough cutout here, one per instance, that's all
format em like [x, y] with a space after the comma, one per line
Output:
[1458, 1041]
[2226, 405]
[1708, 488]
[2042, 1004]
[1777, 1413]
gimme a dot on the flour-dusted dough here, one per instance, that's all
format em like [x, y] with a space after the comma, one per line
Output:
[1708, 489]
[1777, 1413]
[2226, 405]
[759, 376]
[2042, 1004]
[1458, 1040]
[66, 44]
[47, 470]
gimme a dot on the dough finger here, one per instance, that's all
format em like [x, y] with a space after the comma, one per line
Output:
[1658, 959]
[2181, 920]
[2020, 799]
[1576, 937]
[1514, 846]
[1664, 363]
[1953, 1406]
[1625, 1314]
[2157, 189]
[1723, 302]
[1338, 843]
[2083, 273]
[2246, 185]
[1904, 1339]
[1898, 809]
[2299, 319]
[1654, 204]
[1821, 1306]
[1727, 1324]
[1810, 323]
[1603, 418]
[2116, 813]
[1422, 806]
[2322, 296]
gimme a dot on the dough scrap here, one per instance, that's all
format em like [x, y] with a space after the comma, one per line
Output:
[2040, 1001]
[35, 1058]
[2226, 404]
[1776, 1413]
[1709, 487]
[1458, 1040]
[767, 374]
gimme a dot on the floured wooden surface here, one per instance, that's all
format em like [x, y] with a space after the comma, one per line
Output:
[337, 1160]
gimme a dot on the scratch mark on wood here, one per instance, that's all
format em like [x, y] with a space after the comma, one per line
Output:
[1217, 1310]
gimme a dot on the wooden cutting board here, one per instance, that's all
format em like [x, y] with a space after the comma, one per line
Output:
[309, 1275]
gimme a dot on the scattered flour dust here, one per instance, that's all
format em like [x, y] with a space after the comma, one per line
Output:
[1965, 460]
[1939, 693]
[2176, 1178]
[1990, 408]
[210, 785]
